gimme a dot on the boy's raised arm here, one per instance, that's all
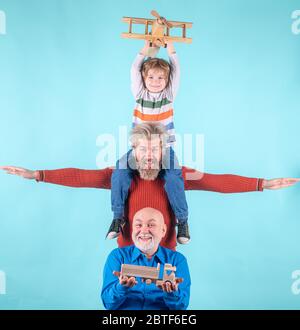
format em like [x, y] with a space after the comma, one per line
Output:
[135, 73]
[175, 69]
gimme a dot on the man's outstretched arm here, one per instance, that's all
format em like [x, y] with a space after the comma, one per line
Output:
[229, 183]
[193, 180]
[71, 177]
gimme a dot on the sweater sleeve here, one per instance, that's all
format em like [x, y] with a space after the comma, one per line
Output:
[223, 183]
[74, 177]
[174, 76]
[136, 75]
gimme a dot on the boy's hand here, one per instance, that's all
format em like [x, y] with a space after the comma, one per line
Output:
[144, 51]
[170, 47]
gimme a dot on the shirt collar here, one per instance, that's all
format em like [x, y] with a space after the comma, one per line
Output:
[159, 254]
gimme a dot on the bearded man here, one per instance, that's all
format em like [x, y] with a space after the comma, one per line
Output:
[147, 184]
[123, 292]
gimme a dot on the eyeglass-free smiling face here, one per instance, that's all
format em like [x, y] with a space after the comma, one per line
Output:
[148, 229]
[155, 81]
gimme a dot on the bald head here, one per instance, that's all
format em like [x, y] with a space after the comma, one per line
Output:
[149, 213]
[148, 229]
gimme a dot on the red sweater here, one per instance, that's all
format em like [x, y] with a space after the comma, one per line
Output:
[143, 193]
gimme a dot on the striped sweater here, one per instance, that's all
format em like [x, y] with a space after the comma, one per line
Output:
[156, 107]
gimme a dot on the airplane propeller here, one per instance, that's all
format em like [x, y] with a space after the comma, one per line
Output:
[162, 19]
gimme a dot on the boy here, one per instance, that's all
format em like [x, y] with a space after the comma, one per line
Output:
[154, 84]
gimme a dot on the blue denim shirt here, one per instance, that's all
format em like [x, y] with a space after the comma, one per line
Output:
[141, 295]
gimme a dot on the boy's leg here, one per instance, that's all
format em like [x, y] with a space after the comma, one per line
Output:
[174, 186]
[120, 184]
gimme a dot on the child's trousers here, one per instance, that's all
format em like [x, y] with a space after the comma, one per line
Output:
[170, 172]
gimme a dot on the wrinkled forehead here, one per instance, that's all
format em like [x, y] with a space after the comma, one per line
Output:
[145, 220]
[148, 215]
[153, 141]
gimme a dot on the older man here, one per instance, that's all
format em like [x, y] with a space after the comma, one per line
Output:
[148, 229]
[147, 186]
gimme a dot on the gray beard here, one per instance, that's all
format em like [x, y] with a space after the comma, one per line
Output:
[143, 247]
[148, 174]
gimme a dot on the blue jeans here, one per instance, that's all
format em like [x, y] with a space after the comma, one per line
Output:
[170, 172]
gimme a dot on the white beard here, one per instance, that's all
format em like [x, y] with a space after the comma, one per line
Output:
[144, 247]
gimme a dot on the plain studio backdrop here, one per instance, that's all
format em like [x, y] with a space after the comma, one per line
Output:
[64, 81]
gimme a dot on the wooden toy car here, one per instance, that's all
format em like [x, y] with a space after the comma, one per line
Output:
[151, 274]
[160, 30]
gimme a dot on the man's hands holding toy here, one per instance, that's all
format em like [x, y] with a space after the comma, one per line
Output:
[125, 281]
[170, 287]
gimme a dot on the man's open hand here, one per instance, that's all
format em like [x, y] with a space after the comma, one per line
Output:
[279, 183]
[170, 287]
[27, 174]
[124, 280]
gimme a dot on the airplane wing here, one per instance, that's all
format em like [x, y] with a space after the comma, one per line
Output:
[137, 20]
[150, 37]
[150, 21]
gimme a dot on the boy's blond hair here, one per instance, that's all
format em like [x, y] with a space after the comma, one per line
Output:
[156, 64]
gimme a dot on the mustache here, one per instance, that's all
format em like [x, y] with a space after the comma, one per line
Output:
[145, 236]
[145, 161]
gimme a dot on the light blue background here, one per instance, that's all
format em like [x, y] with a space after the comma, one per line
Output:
[64, 79]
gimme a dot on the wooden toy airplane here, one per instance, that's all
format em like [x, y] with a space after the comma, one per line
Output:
[160, 30]
[151, 274]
